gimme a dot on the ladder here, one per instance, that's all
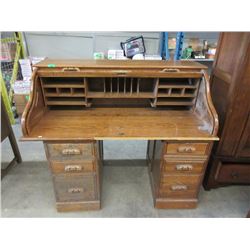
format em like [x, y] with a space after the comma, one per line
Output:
[164, 51]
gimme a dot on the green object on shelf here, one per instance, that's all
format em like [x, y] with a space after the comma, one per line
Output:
[27, 97]
[51, 65]
[187, 53]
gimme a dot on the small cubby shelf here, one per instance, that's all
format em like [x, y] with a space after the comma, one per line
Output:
[64, 91]
[176, 92]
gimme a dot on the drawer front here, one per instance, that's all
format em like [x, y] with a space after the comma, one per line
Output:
[234, 173]
[70, 151]
[68, 167]
[176, 166]
[180, 186]
[187, 148]
[77, 188]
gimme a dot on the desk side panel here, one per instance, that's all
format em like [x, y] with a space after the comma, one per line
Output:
[35, 108]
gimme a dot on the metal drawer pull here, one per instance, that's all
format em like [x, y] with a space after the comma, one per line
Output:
[186, 149]
[75, 190]
[120, 72]
[70, 69]
[179, 187]
[170, 70]
[69, 168]
[71, 151]
[184, 167]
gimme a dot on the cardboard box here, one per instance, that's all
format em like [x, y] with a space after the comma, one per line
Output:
[20, 102]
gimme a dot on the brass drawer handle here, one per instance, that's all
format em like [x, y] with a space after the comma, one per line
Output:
[120, 72]
[75, 190]
[71, 151]
[184, 167]
[179, 187]
[186, 149]
[170, 70]
[69, 168]
[71, 69]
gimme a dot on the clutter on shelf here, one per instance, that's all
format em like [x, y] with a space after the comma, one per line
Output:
[196, 49]
[133, 48]
[21, 87]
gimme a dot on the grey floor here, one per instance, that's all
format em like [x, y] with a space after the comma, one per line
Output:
[27, 190]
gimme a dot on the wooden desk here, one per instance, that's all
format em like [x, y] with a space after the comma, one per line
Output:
[75, 105]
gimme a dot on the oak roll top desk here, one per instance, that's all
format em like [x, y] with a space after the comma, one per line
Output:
[75, 105]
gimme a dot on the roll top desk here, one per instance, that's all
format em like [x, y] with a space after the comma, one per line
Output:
[75, 105]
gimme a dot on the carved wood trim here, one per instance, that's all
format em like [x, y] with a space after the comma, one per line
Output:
[29, 104]
[211, 105]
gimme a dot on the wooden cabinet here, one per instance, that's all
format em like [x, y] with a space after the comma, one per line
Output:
[230, 90]
[75, 105]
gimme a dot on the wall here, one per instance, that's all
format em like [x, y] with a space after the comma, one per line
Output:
[84, 44]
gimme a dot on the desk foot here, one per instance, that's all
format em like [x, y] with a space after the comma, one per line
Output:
[78, 206]
[175, 204]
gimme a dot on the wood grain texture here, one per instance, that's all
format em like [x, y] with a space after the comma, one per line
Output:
[111, 123]
[109, 64]
[179, 166]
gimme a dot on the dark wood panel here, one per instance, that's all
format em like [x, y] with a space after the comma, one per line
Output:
[230, 81]
[243, 149]
[230, 52]
[233, 173]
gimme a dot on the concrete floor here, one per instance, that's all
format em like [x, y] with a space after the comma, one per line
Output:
[27, 190]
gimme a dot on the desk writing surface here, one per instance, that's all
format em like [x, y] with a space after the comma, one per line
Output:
[120, 124]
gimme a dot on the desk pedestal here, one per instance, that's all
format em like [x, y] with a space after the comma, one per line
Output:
[76, 171]
[176, 171]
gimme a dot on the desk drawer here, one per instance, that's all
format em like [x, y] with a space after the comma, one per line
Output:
[75, 188]
[68, 167]
[70, 151]
[180, 186]
[187, 148]
[180, 167]
[234, 173]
